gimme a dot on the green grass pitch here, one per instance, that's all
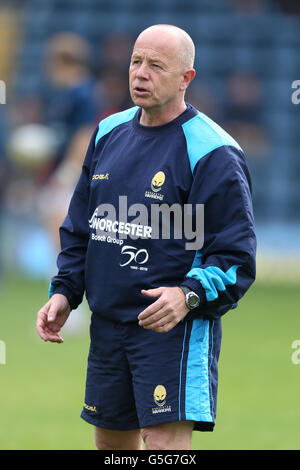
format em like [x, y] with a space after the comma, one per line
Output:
[42, 384]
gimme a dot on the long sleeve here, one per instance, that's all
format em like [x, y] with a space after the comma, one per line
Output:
[74, 237]
[224, 268]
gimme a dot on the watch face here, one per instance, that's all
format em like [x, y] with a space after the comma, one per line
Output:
[192, 300]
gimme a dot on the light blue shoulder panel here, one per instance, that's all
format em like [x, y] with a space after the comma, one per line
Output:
[109, 123]
[203, 135]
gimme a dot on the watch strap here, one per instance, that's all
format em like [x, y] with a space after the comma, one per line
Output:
[185, 289]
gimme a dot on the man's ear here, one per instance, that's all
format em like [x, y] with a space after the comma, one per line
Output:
[188, 76]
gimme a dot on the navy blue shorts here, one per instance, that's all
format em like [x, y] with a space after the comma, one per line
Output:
[137, 377]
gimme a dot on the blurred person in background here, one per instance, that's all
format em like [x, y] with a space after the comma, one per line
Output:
[65, 100]
[68, 108]
[69, 103]
[65, 107]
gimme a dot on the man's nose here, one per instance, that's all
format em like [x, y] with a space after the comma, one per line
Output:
[143, 71]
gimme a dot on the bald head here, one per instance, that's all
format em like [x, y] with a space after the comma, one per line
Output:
[175, 39]
[161, 69]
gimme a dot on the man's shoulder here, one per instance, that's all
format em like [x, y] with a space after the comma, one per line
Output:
[203, 135]
[107, 124]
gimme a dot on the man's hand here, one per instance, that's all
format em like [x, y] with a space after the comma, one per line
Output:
[51, 317]
[168, 310]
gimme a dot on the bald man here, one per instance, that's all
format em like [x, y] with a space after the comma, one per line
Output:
[156, 300]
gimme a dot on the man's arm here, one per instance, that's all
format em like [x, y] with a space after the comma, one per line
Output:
[74, 236]
[67, 287]
[225, 267]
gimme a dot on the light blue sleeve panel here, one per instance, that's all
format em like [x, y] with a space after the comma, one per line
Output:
[214, 280]
[109, 123]
[203, 135]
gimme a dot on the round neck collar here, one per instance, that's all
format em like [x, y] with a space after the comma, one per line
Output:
[175, 122]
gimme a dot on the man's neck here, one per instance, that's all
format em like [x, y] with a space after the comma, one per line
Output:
[161, 116]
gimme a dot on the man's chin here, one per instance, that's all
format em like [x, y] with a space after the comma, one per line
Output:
[143, 102]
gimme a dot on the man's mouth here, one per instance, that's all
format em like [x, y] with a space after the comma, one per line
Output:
[141, 91]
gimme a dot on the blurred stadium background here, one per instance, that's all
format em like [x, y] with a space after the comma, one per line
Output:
[65, 65]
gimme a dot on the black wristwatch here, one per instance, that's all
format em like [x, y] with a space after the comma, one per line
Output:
[191, 298]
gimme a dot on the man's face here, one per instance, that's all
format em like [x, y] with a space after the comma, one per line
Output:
[155, 76]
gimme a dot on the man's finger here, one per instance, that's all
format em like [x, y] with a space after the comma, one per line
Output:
[41, 323]
[51, 314]
[53, 336]
[160, 323]
[152, 292]
[157, 316]
[151, 309]
[48, 335]
[42, 334]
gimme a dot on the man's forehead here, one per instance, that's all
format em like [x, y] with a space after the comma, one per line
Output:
[160, 51]
[148, 51]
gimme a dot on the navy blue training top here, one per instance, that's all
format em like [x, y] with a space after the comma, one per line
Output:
[122, 230]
